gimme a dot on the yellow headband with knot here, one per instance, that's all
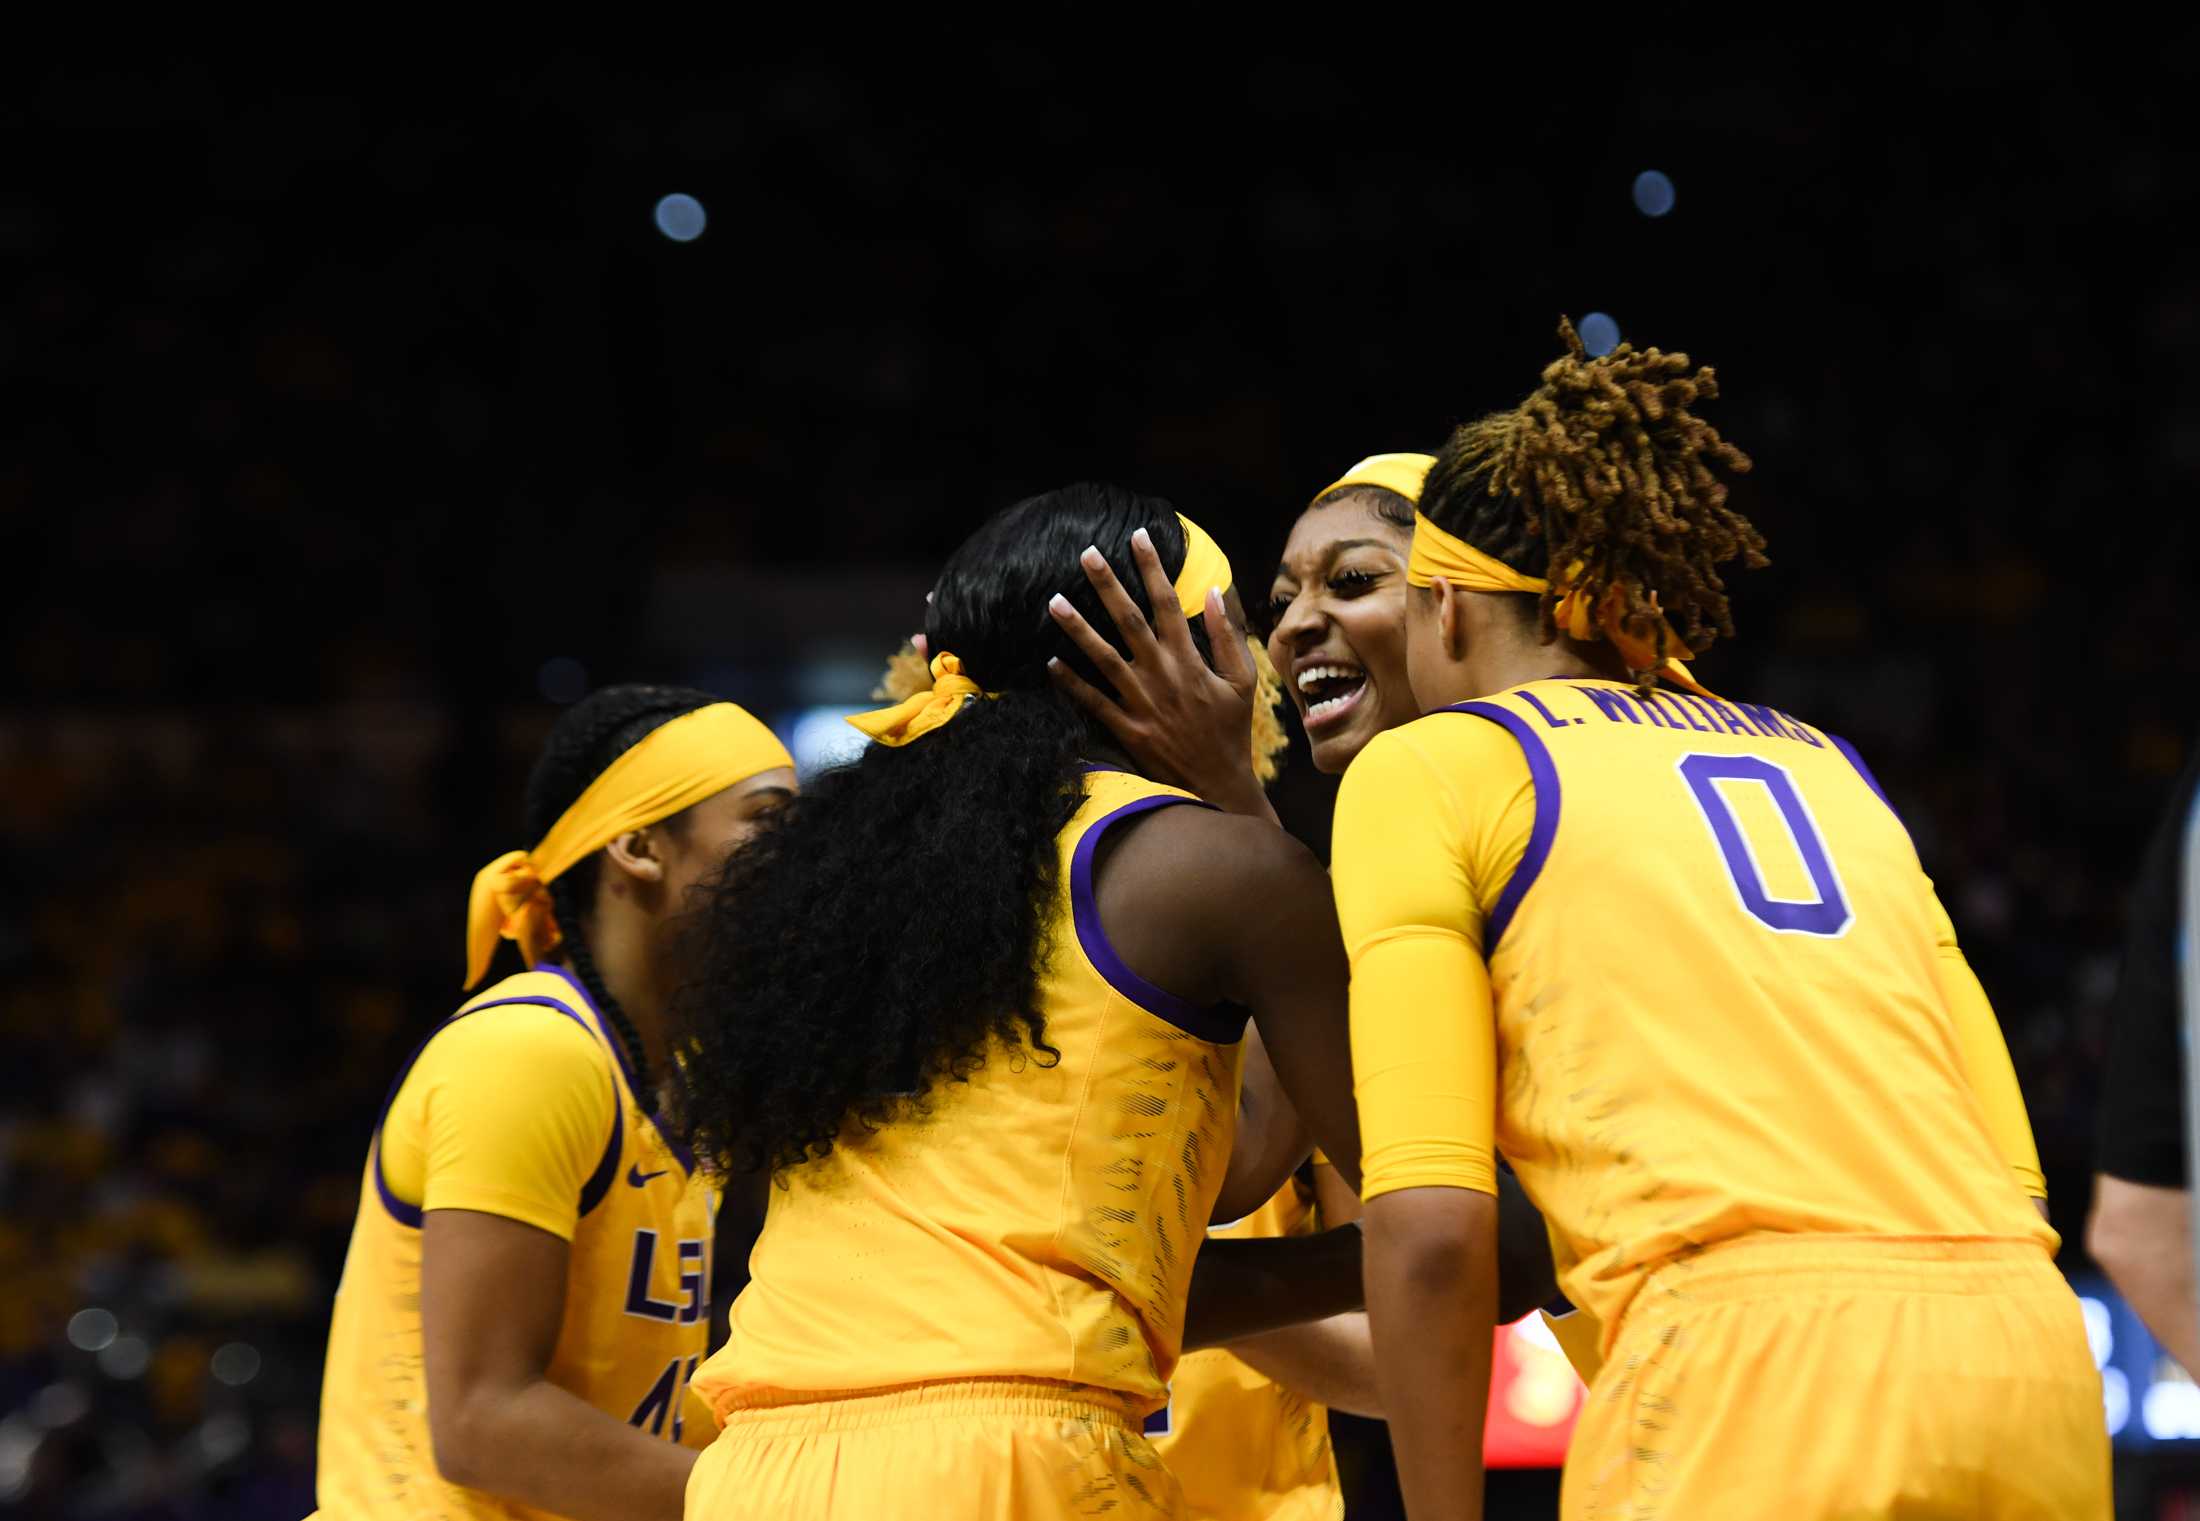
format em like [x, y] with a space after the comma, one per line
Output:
[1205, 568]
[673, 767]
[1402, 473]
[1578, 613]
[921, 712]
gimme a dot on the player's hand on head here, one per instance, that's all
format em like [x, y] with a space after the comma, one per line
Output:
[1184, 721]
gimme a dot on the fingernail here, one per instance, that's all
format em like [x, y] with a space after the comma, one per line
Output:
[1093, 557]
[1142, 539]
[1058, 603]
[1054, 662]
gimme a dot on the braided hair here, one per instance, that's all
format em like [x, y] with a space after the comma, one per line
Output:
[1605, 465]
[587, 738]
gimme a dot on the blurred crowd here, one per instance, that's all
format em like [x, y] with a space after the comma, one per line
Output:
[339, 423]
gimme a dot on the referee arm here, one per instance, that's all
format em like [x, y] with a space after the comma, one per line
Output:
[2139, 1231]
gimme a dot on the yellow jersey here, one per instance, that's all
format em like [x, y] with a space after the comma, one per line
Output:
[518, 1105]
[1037, 1221]
[1678, 959]
[1242, 1445]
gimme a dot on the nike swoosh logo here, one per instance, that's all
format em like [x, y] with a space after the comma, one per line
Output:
[637, 1177]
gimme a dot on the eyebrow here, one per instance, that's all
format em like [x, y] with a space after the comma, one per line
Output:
[1339, 547]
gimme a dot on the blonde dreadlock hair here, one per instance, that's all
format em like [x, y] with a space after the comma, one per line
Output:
[1602, 479]
[907, 674]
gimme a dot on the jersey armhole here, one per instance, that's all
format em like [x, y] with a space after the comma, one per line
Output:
[1217, 1024]
[411, 1216]
[1543, 782]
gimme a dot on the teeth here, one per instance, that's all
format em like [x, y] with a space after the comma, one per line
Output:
[1314, 673]
[1319, 709]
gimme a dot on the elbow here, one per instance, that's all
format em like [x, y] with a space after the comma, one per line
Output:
[462, 1448]
[2134, 1231]
[1433, 1242]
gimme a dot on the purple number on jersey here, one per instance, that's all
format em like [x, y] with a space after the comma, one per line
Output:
[1828, 914]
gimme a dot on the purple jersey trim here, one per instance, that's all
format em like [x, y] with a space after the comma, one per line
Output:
[1543, 777]
[672, 1142]
[1862, 770]
[592, 1192]
[1219, 1024]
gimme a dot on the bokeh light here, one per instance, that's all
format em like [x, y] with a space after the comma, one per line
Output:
[1599, 334]
[820, 737]
[92, 1330]
[1653, 193]
[681, 218]
[125, 1357]
[236, 1364]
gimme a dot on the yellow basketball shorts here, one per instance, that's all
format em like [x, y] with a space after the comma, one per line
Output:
[1806, 1377]
[1005, 1449]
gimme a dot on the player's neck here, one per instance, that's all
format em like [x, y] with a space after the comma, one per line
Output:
[1497, 665]
[627, 954]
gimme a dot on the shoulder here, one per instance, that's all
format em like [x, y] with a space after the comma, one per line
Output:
[1190, 854]
[1447, 750]
[527, 1044]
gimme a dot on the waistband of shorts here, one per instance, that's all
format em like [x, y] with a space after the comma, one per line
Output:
[1749, 1266]
[815, 1410]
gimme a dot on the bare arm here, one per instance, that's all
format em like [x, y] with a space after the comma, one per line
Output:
[1271, 1138]
[1432, 1298]
[491, 1303]
[2141, 1235]
[1244, 1288]
[1218, 908]
[1330, 1361]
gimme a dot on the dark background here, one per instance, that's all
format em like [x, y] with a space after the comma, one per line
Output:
[356, 412]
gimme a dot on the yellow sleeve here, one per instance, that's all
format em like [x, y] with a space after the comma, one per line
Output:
[1415, 866]
[1985, 1055]
[509, 1111]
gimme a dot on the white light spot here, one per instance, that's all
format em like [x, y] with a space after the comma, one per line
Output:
[2115, 1399]
[1653, 193]
[125, 1357]
[91, 1330]
[1535, 1333]
[223, 1437]
[236, 1364]
[819, 738]
[2100, 1331]
[681, 218]
[562, 679]
[1599, 334]
[2171, 1411]
[18, 1450]
[59, 1405]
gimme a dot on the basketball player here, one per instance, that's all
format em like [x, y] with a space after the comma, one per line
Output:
[980, 1000]
[524, 1300]
[1246, 1429]
[1744, 1072]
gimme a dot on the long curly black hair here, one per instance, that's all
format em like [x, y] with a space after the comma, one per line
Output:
[588, 737]
[884, 932]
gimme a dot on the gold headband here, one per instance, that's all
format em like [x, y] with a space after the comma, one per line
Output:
[1205, 567]
[1581, 616]
[674, 766]
[1401, 473]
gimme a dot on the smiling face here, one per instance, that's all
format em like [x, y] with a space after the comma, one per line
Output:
[1338, 608]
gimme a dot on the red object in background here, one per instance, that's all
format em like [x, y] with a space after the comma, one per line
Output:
[1534, 1398]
